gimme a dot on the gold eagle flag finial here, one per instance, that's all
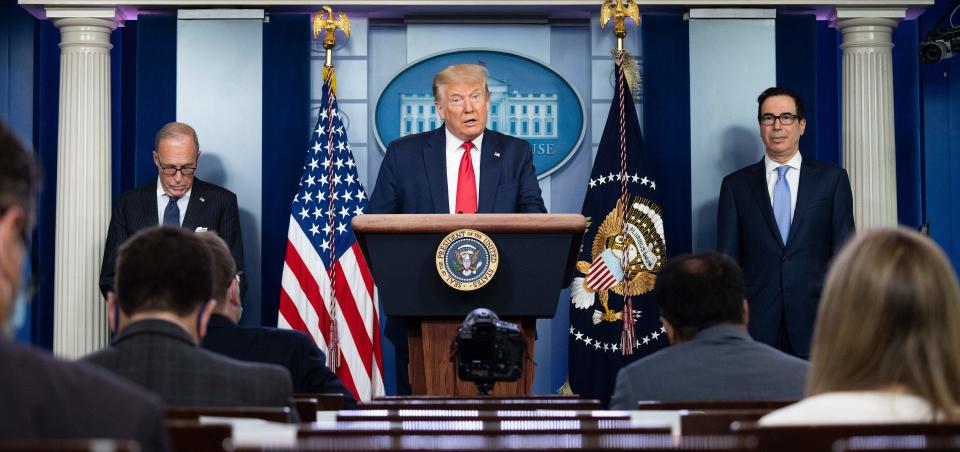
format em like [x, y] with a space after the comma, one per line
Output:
[619, 11]
[327, 23]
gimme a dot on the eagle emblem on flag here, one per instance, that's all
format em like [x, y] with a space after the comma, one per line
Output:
[640, 243]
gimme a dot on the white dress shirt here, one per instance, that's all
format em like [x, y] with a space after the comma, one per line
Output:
[853, 407]
[163, 199]
[454, 153]
[793, 177]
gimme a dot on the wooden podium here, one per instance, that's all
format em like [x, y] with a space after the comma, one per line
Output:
[537, 253]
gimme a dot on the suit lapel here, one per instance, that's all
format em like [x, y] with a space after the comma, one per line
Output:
[809, 175]
[490, 163]
[435, 162]
[758, 186]
[195, 206]
[148, 204]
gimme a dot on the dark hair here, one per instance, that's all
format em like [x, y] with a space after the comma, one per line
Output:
[777, 91]
[163, 269]
[224, 268]
[696, 291]
[19, 177]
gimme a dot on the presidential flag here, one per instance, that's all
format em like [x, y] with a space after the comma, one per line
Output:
[613, 317]
[327, 290]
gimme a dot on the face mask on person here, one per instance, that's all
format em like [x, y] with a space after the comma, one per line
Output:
[18, 317]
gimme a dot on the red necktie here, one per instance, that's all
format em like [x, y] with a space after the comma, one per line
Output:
[466, 183]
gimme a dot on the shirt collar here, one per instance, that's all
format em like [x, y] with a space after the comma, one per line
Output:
[161, 193]
[454, 143]
[771, 165]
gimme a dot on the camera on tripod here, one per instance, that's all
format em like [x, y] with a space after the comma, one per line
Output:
[488, 350]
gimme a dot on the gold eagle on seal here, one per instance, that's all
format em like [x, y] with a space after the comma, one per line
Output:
[640, 244]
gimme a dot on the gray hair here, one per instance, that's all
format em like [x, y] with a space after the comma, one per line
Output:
[176, 131]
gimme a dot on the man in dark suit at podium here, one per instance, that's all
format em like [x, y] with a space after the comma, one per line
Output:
[42, 397]
[288, 348]
[461, 167]
[782, 219]
[196, 205]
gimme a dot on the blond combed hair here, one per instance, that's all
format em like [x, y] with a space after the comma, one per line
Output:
[460, 73]
[889, 318]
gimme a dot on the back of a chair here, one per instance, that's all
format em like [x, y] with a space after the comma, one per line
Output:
[701, 405]
[823, 437]
[190, 435]
[543, 442]
[274, 414]
[306, 409]
[483, 404]
[68, 445]
[898, 443]
[479, 397]
[478, 415]
[325, 402]
[715, 422]
[483, 428]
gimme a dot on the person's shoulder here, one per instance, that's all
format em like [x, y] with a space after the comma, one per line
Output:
[237, 368]
[411, 143]
[744, 172]
[211, 189]
[659, 359]
[134, 194]
[274, 334]
[507, 141]
[823, 166]
[79, 377]
[773, 355]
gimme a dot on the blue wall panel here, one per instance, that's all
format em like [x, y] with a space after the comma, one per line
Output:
[940, 113]
[286, 135]
[666, 121]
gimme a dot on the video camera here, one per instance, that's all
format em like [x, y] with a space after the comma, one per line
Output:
[941, 43]
[488, 350]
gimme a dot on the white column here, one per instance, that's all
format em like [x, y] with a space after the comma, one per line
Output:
[867, 129]
[83, 178]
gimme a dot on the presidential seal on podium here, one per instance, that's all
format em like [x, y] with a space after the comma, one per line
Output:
[467, 259]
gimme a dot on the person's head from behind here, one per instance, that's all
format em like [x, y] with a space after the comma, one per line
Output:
[889, 320]
[164, 273]
[226, 282]
[176, 152]
[19, 179]
[697, 291]
[462, 98]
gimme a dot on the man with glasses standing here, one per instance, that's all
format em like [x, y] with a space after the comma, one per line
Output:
[782, 219]
[177, 199]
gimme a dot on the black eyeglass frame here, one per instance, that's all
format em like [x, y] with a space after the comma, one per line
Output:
[768, 119]
[172, 170]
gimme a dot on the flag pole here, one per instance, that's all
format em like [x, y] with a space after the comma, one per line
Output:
[325, 22]
[619, 11]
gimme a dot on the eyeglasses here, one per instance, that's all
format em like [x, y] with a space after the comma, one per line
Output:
[171, 170]
[786, 119]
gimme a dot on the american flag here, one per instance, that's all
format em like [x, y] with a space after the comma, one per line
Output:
[327, 290]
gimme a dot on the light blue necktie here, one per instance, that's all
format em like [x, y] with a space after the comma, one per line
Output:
[781, 202]
[171, 215]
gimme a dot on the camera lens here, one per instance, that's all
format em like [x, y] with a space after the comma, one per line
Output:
[932, 51]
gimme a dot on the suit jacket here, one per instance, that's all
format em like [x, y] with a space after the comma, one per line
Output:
[721, 362]
[162, 357]
[783, 280]
[291, 349]
[413, 176]
[413, 179]
[210, 206]
[42, 397]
